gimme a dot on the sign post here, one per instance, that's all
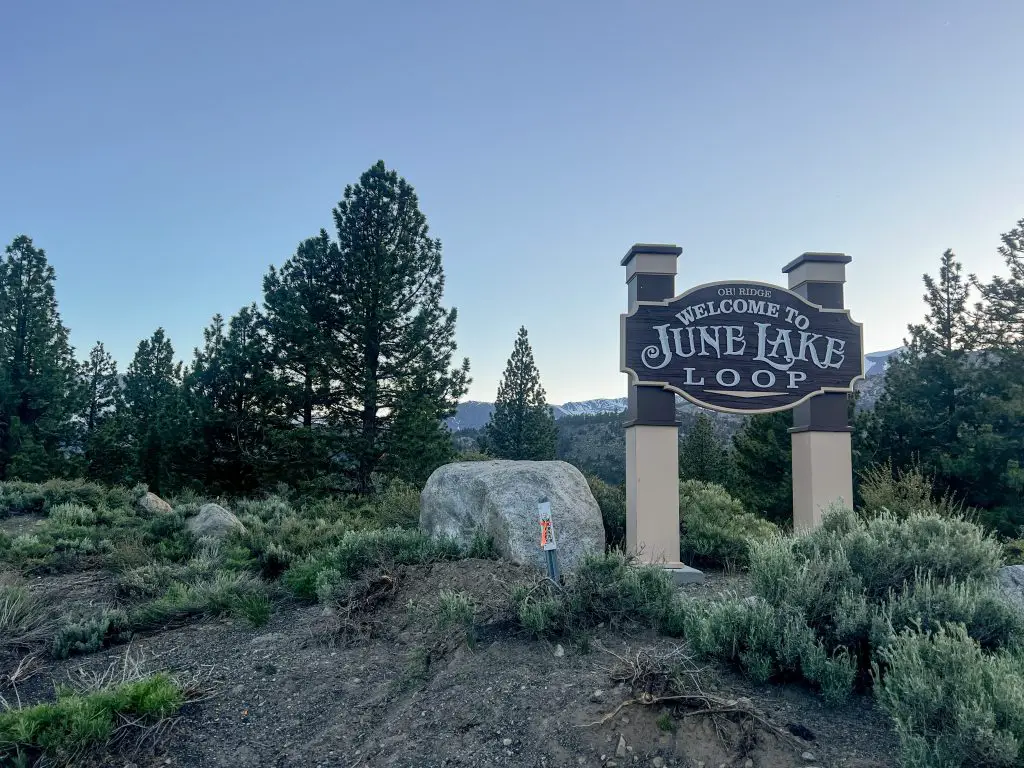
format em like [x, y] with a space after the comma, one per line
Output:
[652, 432]
[740, 347]
[821, 434]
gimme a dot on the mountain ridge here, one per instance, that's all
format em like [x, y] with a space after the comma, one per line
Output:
[474, 414]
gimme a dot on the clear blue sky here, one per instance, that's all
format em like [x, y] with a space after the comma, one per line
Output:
[164, 154]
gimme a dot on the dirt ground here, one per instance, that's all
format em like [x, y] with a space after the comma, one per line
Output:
[386, 688]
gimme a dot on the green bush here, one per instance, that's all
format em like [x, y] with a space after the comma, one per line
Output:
[714, 528]
[255, 606]
[886, 552]
[225, 593]
[607, 588]
[90, 634]
[457, 608]
[72, 514]
[768, 643]
[92, 495]
[145, 582]
[18, 498]
[953, 705]
[929, 604]
[28, 546]
[843, 592]
[360, 550]
[1013, 551]
[73, 723]
[903, 492]
[612, 501]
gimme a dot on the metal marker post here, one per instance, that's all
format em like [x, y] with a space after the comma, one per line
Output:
[547, 538]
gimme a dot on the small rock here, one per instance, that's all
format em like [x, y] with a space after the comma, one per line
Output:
[610, 764]
[559, 651]
[807, 755]
[152, 504]
[620, 751]
[744, 703]
[214, 521]
[625, 720]
[658, 762]
[748, 763]
[507, 742]
[597, 695]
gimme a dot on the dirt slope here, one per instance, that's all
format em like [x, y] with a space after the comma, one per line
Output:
[386, 688]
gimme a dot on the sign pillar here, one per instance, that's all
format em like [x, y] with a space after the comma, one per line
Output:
[652, 432]
[821, 433]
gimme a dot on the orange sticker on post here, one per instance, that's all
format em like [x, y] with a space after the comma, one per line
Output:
[547, 531]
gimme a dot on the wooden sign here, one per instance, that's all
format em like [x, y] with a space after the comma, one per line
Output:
[742, 347]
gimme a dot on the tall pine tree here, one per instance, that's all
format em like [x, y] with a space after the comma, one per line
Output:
[39, 390]
[396, 340]
[302, 313]
[948, 326]
[152, 408]
[763, 452]
[234, 403]
[102, 418]
[1002, 299]
[702, 455]
[522, 426]
[102, 388]
[931, 387]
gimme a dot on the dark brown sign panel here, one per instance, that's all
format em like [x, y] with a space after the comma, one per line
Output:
[742, 347]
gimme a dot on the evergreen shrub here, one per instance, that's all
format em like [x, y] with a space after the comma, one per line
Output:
[612, 501]
[715, 529]
[826, 603]
[953, 704]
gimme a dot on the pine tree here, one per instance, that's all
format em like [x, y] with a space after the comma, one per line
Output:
[424, 442]
[931, 388]
[522, 425]
[302, 313]
[102, 419]
[763, 454]
[948, 326]
[39, 392]
[234, 402]
[102, 388]
[152, 408]
[1002, 306]
[702, 455]
[392, 330]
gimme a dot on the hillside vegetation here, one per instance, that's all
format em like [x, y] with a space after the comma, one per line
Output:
[878, 604]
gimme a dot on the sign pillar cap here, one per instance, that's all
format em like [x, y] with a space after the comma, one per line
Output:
[649, 259]
[665, 249]
[815, 267]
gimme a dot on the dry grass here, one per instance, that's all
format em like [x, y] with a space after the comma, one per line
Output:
[25, 618]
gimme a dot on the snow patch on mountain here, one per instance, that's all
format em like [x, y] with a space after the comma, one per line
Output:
[590, 407]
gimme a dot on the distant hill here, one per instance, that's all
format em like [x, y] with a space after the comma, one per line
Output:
[474, 414]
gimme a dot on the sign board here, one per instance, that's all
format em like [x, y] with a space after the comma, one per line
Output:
[742, 347]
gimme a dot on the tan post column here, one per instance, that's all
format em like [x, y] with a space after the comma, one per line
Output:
[822, 456]
[652, 433]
